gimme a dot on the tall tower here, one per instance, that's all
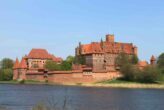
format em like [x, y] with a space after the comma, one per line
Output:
[153, 60]
[109, 38]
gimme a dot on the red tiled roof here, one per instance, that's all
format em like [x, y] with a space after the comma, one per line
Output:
[142, 63]
[56, 59]
[23, 64]
[110, 47]
[16, 65]
[39, 53]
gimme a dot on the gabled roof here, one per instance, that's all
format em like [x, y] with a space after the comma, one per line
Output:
[23, 64]
[109, 47]
[16, 65]
[39, 53]
[56, 59]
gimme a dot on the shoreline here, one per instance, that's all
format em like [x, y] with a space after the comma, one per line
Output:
[98, 85]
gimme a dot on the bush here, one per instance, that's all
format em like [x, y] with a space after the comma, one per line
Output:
[149, 74]
[6, 74]
[51, 65]
[7, 63]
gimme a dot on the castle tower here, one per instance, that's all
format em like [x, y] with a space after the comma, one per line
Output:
[153, 60]
[15, 69]
[109, 38]
[22, 69]
[135, 50]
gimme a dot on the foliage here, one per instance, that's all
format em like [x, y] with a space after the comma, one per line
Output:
[134, 59]
[51, 65]
[149, 74]
[80, 60]
[122, 59]
[131, 72]
[6, 74]
[70, 59]
[7, 63]
[160, 61]
[66, 65]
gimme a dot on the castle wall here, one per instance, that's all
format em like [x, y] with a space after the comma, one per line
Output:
[98, 62]
[71, 77]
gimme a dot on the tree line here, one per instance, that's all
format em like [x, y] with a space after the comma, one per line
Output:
[131, 71]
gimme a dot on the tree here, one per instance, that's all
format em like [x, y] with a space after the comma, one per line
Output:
[51, 65]
[80, 60]
[149, 74]
[134, 59]
[7, 63]
[70, 59]
[122, 59]
[66, 65]
[160, 61]
[6, 74]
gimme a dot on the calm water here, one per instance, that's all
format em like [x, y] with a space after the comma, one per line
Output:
[24, 97]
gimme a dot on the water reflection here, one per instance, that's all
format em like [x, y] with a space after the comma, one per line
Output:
[24, 97]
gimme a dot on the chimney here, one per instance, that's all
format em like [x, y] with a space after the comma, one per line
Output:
[109, 38]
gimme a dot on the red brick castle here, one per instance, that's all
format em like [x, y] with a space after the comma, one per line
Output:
[101, 55]
[99, 58]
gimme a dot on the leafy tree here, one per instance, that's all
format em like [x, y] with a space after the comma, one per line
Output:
[51, 65]
[70, 59]
[122, 59]
[66, 65]
[134, 59]
[7, 63]
[149, 74]
[160, 61]
[6, 74]
[80, 60]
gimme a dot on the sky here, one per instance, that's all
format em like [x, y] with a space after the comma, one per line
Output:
[59, 25]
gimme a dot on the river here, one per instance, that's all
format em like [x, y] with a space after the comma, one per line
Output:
[24, 97]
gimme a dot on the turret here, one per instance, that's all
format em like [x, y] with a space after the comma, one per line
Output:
[15, 69]
[109, 38]
[22, 69]
[153, 60]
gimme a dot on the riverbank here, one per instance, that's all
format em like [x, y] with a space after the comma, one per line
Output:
[106, 84]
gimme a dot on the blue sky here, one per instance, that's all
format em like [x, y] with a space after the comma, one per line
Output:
[58, 25]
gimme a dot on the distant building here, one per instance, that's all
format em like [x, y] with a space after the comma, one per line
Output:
[101, 55]
[35, 60]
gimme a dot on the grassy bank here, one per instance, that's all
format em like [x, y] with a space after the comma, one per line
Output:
[108, 83]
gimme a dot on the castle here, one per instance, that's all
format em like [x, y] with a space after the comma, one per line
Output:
[35, 61]
[101, 55]
[99, 63]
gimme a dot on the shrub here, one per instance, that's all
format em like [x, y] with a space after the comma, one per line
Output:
[149, 74]
[51, 65]
[6, 74]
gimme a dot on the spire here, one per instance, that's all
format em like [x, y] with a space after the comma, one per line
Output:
[102, 44]
[16, 65]
[152, 58]
[23, 64]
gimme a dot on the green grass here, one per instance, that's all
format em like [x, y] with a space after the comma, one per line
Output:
[22, 82]
[118, 81]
